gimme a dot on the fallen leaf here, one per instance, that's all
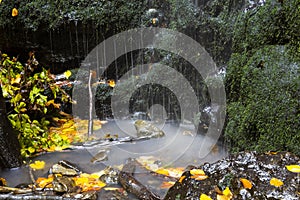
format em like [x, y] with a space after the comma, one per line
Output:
[111, 83]
[44, 182]
[14, 12]
[272, 153]
[222, 197]
[37, 165]
[246, 183]
[205, 197]
[162, 171]
[199, 177]
[293, 168]
[181, 179]
[227, 195]
[218, 191]
[197, 172]
[276, 182]
[89, 182]
[227, 192]
[167, 184]
[176, 172]
[2, 180]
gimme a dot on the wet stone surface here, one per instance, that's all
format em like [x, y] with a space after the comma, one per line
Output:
[145, 128]
[259, 169]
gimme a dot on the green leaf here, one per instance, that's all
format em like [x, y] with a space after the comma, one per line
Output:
[31, 150]
[67, 74]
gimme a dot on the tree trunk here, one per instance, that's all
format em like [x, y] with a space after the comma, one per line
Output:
[10, 156]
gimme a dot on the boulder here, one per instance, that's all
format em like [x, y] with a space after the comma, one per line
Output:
[147, 129]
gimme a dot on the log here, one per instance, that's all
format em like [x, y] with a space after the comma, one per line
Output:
[33, 196]
[170, 178]
[4, 189]
[132, 185]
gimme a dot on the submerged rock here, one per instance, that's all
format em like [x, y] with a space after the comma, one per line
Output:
[258, 169]
[147, 129]
[100, 156]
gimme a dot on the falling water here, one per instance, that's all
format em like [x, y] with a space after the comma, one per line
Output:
[77, 39]
[51, 41]
[71, 42]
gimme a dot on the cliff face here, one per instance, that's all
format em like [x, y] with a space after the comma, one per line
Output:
[62, 33]
[59, 49]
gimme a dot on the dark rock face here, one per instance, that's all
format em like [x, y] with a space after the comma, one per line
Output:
[59, 49]
[10, 156]
[257, 168]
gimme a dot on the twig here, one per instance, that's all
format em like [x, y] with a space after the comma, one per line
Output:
[90, 126]
[5, 189]
[31, 175]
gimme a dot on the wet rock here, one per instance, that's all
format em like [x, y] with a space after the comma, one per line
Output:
[110, 176]
[145, 128]
[63, 184]
[100, 156]
[65, 168]
[257, 168]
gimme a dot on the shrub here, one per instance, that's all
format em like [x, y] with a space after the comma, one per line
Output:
[32, 98]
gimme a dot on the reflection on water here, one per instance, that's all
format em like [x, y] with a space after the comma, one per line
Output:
[180, 147]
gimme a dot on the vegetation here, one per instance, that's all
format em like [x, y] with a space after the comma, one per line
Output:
[263, 80]
[33, 15]
[31, 95]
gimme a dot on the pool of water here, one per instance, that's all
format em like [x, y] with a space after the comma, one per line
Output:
[180, 147]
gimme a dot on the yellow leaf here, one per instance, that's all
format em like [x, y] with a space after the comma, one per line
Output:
[44, 182]
[276, 182]
[81, 181]
[293, 168]
[222, 197]
[2, 180]
[51, 102]
[162, 171]
[67, 74]
[31, 149]
[176, 172]
[0, 1]
[227, 192]
[181, 179]
[199, 177]
[272, 153]
[14, 12]
[246, 183]
[16, 80]
[226, 195]
[37, 165]
[197, 172]
[111, 83]
[205, 197]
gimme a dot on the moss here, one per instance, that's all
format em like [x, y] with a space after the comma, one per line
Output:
[263, 112]
[117, 15]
